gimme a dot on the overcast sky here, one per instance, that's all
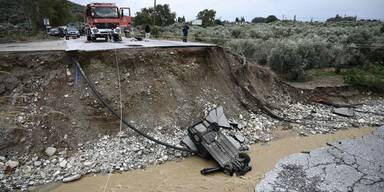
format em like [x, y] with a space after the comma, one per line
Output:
[230, 9]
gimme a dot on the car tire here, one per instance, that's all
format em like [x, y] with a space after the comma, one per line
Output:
[245, 158]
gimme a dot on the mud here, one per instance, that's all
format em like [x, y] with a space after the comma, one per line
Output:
[185, 175]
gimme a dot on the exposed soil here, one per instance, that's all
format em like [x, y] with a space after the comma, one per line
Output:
[45, 103]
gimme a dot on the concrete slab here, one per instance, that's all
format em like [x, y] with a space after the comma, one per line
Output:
[348, 165]
[345, 112]
[58, 45]
[81, 45]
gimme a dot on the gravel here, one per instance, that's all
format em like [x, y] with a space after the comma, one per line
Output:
[317, 118]
[72, 178]
[12, 164]
[50, 151]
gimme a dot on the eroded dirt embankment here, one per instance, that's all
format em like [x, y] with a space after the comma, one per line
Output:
[44, 102]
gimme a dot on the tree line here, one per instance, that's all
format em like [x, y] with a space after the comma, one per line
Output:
[30, 13]
[163, 16]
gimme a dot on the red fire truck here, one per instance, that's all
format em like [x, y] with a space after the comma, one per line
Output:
[107, 21]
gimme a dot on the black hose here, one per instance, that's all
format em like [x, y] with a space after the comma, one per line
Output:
[102, 100]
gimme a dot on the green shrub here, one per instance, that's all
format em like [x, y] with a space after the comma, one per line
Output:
[236, 33]
[271, 19]
[286, 60]
[291, 48]
[259, 20]
[243, 47]
[359, 37]
[155, 31]
[369, 76]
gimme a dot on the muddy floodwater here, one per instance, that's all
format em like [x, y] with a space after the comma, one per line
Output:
[184, 175]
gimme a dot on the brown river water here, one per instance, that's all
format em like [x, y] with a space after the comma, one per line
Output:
[184, 175]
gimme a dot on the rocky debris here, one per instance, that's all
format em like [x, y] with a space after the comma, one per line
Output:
[63, 163]
[72, 178]
[37, 163]
[12, 164]
[345, 112]
[50, 151]
[26, 169]
[2, 88]
[317, 118]
[128, 151]
[348, 165]
[88, 163]
[11, 82]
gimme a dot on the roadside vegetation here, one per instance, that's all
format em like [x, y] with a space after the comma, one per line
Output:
[22, 20]
[369, 76]
[291, 48]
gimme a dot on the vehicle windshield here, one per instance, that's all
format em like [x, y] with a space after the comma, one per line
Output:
[72, 29]
[105, 12]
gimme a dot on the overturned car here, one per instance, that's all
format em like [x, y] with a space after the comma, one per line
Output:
[207, 138]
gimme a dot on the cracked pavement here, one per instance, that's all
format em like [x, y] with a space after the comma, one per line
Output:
[348, 165]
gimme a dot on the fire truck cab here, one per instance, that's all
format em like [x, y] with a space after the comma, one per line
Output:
[107, 21]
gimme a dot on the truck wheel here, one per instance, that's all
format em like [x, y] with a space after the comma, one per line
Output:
[93, 39]
[116, 38]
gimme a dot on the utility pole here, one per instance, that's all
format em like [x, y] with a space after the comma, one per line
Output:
[154, 12]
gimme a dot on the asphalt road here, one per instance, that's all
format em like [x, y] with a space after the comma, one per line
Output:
[348, 165]
[82, 45]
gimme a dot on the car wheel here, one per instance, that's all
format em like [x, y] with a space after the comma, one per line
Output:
[245, 158]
